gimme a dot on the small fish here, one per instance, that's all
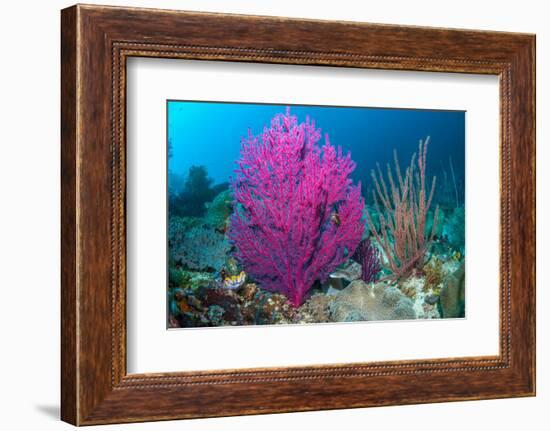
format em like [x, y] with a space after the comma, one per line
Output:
[335, 218]
[457, 256]
[233, 282]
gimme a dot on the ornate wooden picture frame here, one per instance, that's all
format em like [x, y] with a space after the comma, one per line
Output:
[96, 41]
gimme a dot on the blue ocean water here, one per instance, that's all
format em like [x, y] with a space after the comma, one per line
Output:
[209, 134]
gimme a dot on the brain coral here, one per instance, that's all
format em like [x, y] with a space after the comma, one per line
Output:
[361, 302]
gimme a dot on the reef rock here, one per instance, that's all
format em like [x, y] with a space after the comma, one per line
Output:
[414, 288]
[451, 298]
[267, 308]
[218, 306]
[316, 309]
[361, 302]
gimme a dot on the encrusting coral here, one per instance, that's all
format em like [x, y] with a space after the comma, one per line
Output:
[362, 302]
[298, 215]
[402, 209]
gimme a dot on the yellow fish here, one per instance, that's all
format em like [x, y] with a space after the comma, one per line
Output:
[233, 282]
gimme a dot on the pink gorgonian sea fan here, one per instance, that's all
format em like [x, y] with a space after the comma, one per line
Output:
[298, 215]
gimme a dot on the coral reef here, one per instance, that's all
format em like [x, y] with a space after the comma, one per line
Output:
[368, 256]
[343, 275]
[208, 304]
[216, 315]
[424, 301]
[298, 214]
[225, 299]
[402, 210]
[290, 239]
[199, 248]
[453, 230]
[316, 309]
[434, 274]
[198, 279]
[361, 302]
[177, 277]
[248, 291]
[219, 210]
[451, 298]
[177, 225]
[196, 191]
[268, 308]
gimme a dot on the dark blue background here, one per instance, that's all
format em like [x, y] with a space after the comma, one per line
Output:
[205, 133]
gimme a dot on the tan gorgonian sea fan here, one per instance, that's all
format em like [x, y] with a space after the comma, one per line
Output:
[402, 207]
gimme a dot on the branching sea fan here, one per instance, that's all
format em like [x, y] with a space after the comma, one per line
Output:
[298, 215]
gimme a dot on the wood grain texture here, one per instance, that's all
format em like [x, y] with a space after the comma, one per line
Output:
[69, 397]
[96, 41]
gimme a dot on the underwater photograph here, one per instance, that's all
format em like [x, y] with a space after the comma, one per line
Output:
[299, 214]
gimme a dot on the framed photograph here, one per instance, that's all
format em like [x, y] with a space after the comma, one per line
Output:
[322, 214]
